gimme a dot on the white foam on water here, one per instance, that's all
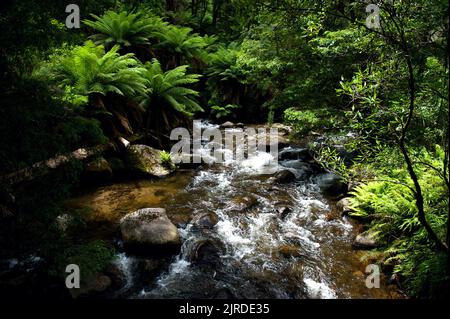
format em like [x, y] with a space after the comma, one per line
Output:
[177, 268]
[251, 238]
[319, 290]
[343, 225]
[291, 231]
[221, 180]
[174, 276]
[125, 265]
[232, 235]
[307, 205]
[205, 124]
[261, 161]
[186, 232]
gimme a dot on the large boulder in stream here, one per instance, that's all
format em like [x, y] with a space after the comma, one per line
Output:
[331, 184]
[241, 204]
[144, 160]
[149, 231]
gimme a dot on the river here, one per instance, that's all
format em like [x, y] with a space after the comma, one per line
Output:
[271, 240]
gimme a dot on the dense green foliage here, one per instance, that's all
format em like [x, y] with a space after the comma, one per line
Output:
[388, 205]
[137, 69]
[124, 28]
[301, 121]
[88, 70]
[169, 87]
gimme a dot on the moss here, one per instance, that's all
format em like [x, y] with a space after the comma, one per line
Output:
[92, 258]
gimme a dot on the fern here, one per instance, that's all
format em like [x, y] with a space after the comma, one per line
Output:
[90, 70]
[170, 88]
[222, 111]
[390, 208]
[226, 77]
[125, 28]
[182, 44]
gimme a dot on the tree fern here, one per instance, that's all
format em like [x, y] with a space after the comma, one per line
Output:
[170, 88]
[125, 28]
[223, 63]
[225, 76]
[182, 44]
[87, 73]
[90, 70]
[168, 91]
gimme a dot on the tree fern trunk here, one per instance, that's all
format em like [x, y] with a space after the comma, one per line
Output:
[96, 101]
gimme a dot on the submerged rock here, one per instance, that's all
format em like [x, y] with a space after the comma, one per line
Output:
[302, 154]
[284, 177]
[94, 286]
[242, 203]
[365, 240]
[289, 251]
[206, 252]
[146, 161]
[205, 220]
[149, 269]
[149, 230]
[283, 212]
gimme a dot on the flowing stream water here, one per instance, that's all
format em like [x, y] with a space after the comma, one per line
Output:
[270, 241]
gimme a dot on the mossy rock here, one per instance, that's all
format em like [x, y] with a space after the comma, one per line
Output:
[144, 160]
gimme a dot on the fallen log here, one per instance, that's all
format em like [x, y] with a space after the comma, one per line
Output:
[42, 168]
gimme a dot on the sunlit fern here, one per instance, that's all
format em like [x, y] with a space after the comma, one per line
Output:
[170, 88]
[125, 28]
[89, 69]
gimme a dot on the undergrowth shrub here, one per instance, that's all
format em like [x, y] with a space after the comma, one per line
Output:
[388, 205]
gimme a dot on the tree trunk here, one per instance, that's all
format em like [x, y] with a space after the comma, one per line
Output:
[442, 246]
[216, 11]
[42, 168]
